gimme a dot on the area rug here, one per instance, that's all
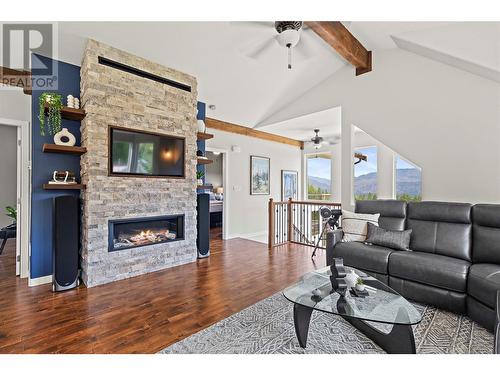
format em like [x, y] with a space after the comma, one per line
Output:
[267, 328]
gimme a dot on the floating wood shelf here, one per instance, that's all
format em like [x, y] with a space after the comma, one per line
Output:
[70, 113]
[204, 187]
[63, 187]
[205, 161]
[204, 136]
[57, 149]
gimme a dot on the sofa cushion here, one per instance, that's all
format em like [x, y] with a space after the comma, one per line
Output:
[441, 228]
[392, 212]
[393, 239]
[366, 257]
[431, 269]
[486, 233]
[484, 281]
[355, 225]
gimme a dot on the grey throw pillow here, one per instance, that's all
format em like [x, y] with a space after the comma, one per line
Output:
[394, 239]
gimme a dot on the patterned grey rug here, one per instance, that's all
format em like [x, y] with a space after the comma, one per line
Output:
[267, 328]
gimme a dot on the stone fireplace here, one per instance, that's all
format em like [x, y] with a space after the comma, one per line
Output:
[135, 224]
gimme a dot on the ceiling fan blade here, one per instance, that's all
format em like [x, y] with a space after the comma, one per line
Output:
[330, 143]
[261, 48]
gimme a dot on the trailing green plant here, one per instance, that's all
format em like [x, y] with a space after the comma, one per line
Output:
[359, 281]
[11, 212]
[200, 174]
[54, 102]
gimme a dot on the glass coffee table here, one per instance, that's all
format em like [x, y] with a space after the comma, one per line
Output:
[314, 291]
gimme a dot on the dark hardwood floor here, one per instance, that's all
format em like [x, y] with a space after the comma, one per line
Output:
[144, 314]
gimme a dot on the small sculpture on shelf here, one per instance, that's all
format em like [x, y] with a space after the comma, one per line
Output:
[60, 177]
[64, 138]
[72, 102]
[200, 155]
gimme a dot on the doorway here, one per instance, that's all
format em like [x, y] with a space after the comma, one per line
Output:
[214, 178]
[14, 198]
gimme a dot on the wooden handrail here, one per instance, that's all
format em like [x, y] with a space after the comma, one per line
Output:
[322, 203]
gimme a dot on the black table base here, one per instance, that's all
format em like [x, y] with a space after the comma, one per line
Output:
[399, 340]
[5, 234]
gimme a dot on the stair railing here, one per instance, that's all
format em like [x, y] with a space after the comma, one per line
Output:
[296, 222]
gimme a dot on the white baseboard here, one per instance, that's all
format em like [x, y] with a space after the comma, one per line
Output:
[245, 235]
[40, 280]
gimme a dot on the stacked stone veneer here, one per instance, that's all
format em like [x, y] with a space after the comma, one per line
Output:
[113, 97]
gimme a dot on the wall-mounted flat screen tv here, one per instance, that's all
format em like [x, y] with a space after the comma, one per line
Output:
[138, 153]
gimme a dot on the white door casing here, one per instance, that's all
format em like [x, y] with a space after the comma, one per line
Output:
[23, 194]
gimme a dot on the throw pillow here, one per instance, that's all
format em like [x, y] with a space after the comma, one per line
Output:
[394, 239]
[355, 225]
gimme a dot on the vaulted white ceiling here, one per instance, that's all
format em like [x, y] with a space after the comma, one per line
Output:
[249, 91]
[244, 90]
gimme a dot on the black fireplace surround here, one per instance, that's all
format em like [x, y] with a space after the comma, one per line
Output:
[146, 231]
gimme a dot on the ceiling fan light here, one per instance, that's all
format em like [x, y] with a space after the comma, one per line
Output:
[288, 38]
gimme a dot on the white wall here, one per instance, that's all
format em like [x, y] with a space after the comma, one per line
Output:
[8, 171]
[213, 172]
[441, 118]
[247, 214]
[14, 104]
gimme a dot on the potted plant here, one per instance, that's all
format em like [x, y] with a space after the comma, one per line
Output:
[199, 177]
[54, 103]
[360, 284]
[11, 212]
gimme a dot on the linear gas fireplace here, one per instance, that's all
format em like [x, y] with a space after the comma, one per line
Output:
[136, 232]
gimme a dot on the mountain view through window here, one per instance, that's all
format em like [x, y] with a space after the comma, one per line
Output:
[408, 181]
[365, 174]
[319, 172]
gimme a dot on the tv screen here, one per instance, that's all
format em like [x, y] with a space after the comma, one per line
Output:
[145, 154]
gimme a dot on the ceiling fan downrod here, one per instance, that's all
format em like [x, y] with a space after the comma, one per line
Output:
[289, 47]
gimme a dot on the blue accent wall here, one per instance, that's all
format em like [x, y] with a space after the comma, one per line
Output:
[43, 165]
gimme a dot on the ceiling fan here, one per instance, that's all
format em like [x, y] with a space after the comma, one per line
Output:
[287, 34]
[318, 141]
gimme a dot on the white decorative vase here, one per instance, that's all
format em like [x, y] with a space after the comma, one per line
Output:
[201, 126]
[351, 279]
[64, 133]
[199, 181]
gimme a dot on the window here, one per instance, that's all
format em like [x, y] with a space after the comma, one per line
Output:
[365, 174]
[319, 176]
[408, 180]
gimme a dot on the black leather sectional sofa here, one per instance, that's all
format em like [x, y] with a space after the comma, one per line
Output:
[454, 262]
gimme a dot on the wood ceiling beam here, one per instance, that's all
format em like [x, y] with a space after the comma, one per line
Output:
[16, 78]
[346, 45]
[249, 132]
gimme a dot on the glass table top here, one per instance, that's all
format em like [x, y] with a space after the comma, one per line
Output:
[382, 304]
